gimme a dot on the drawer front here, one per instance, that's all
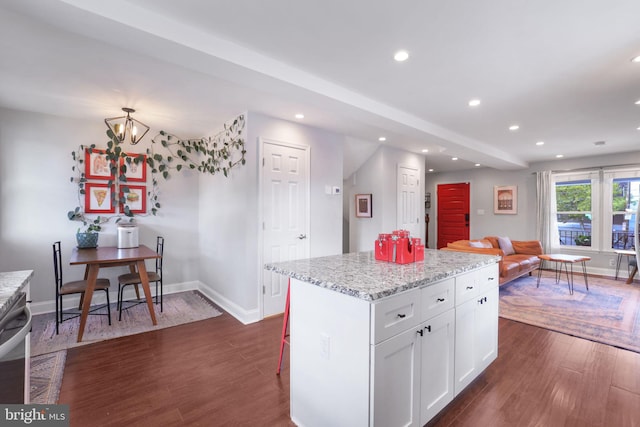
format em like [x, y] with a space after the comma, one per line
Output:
[488, 277]
[466, 287]
[395, 314]
[437, 298]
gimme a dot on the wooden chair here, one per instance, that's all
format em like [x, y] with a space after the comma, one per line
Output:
[128, 279]
[74, 287]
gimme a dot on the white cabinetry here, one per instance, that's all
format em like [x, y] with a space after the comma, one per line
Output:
[422, 347]
[476, 328]
[412, 373]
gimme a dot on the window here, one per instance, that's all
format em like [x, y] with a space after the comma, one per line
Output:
[622, 193]
[595, 210]
[574, 212]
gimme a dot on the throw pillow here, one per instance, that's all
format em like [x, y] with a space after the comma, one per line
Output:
[480, 244]
[506, 246]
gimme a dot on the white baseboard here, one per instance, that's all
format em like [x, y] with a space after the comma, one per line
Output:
[244, 316]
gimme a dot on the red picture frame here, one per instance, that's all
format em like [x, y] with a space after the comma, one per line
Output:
[136, 198]
[134, 172]
[98, 198]
[96, 165]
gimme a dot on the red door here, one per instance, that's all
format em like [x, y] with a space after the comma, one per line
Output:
[453, 213]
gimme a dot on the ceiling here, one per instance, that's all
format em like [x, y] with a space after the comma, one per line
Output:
[561, 70]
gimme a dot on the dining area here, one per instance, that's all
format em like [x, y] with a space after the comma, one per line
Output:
[96, 260]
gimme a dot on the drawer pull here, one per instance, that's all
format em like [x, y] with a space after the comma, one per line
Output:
[420, 332]
[492, 278]
[440, 299]
[402, 316]
[469, 288]
[428, 328]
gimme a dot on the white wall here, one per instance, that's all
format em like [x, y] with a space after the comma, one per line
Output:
[523, 225]
[36, 194]
[229, 232]
[378, 176]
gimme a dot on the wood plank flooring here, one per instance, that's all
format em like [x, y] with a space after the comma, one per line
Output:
[218, 372]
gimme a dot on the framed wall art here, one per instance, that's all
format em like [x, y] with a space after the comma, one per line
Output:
[97, 198]
[505, 199]
[363, 206]
[135, 199]
[134, 167]
[97, 165]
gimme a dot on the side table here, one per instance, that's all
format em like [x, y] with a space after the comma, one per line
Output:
[566, 260]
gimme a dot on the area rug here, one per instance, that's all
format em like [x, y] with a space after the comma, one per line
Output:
[46, 377]
[608, 313]
[179, 308]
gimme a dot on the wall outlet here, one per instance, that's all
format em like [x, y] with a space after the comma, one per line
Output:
[336, 190]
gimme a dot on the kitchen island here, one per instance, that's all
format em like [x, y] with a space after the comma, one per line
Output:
[382, 344]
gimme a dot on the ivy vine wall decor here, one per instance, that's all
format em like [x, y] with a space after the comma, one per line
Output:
[107, 178]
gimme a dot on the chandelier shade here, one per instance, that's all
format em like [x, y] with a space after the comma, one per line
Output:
[126, 127]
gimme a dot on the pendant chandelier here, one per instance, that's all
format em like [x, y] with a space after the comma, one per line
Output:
[126, 127]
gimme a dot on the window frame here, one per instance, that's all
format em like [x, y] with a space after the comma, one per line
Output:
[601, 204]
[593, 179]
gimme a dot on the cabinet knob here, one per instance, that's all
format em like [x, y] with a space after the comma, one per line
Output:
[420, 332]
[428, 328]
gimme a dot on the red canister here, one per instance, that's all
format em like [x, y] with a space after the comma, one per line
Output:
[383, 247]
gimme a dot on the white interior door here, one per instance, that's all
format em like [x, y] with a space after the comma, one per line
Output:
[285, 198]
[408, 199]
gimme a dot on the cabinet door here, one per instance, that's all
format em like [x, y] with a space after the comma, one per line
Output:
[467, 287]
[466, 365]
[396, 380]
[436, 364]
[487, 328]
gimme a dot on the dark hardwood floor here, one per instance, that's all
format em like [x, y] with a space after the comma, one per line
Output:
[218, 372]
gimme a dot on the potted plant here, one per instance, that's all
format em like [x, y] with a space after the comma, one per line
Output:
[583, 240]
[87, 238]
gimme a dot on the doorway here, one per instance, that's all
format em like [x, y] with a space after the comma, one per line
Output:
[452, 213]
[408, 208]
[285, 215]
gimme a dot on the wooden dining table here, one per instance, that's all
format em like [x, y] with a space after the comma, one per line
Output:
[111, 256]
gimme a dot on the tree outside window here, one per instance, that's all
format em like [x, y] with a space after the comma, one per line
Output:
[574, 212]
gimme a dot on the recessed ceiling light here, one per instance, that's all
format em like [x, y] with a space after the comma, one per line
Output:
[477, 164]
[638, 128]
[638, 102]
[514, 127]
[540, 143]
[382, 139]
[474, 103]
[454, 158]
[636, 59]
[299, 116]
[425, 150]
[559, 156]
[430, 170]
[401, 55]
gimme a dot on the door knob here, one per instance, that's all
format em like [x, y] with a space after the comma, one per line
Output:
[302, 236]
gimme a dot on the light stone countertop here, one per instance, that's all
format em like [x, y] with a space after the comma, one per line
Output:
[11, 283]
[362, 276]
